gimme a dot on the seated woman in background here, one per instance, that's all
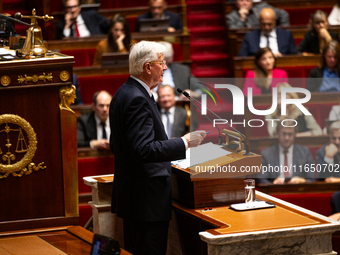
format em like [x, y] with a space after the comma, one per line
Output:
[265, 76]
[334, 16]
[318, 35]
[118, 39]
[307, 124]
[326, 77]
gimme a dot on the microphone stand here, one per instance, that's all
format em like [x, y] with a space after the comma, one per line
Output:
[219, 132]
[245, 141]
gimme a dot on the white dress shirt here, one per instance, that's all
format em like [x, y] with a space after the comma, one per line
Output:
[272, 41]
[165, 119]
[82, 29]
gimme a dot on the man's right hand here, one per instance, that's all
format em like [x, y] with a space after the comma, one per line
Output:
[243, 13]
[68, 20]
[331, 150]
[103, 144]
[195, 138]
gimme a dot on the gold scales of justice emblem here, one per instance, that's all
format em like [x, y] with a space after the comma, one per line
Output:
[11, 130]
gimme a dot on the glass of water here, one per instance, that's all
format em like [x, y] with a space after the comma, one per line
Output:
[249, 188]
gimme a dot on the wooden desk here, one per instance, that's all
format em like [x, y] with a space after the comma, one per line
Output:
[73, 240]
[241, 63]
[262, 143]
[177, 37]
[309, 187]
[303, 230]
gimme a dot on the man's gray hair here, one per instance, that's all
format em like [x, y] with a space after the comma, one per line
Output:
[334, 126]
[143, 52]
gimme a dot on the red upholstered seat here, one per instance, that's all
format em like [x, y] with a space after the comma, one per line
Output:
[89, 85]
[300, 16]
[85, 213]
[82, 57]
[91, 167]
[316, 202]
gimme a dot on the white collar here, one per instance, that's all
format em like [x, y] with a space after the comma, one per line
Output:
[145, 86]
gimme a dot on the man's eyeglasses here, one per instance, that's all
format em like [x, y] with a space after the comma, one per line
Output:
[71, 7]
[163, 63]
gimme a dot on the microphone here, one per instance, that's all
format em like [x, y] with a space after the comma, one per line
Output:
[190, 98]
[193, 99]
[17, 17]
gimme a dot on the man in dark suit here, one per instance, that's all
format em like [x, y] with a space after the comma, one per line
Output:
[280, 41]
[142, 183]
[173, 117]
[81, 23]
[158, 11]
[328, 156]
[93, 130]
[286, 162]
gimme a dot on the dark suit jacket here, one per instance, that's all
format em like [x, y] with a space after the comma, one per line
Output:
[310, 42]
[86, 130]
[329, 170]
[251, 42]
[179, 127]
[301, 156]
[142, 181]
[95, 23]
[174, 20]
[314, 80]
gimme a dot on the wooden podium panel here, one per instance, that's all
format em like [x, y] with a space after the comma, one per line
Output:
[194, 189]
[37, 135]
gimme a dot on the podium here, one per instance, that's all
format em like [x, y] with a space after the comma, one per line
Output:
[38, 144]
[195, 190]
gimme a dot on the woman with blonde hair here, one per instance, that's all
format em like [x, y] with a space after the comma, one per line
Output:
[318, 35]
[306, 124]
[325, 78]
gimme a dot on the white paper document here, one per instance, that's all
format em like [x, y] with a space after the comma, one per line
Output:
[201, 154]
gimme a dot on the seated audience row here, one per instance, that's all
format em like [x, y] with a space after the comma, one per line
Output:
[265, 76]
[281, 41]
[78, 22]
[287, 162]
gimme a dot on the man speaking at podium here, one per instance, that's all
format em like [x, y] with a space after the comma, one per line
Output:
[142, 181]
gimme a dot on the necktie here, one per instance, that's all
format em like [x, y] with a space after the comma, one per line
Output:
[76, 28]
[286, 168]
[168, 125]
[267, 36]
[104, 130]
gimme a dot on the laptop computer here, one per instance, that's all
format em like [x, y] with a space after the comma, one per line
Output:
[154, 25]
[103, 245]
[115, 59]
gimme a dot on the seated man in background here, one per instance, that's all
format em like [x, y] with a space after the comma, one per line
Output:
[279, 40]
[285, 162]
[327, 158]
[178, 75]
[173, 117]
[93, 130]
[81, 23]
[158, 11]
[247, 15]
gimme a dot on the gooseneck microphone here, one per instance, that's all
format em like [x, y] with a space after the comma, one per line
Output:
[193, 100]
